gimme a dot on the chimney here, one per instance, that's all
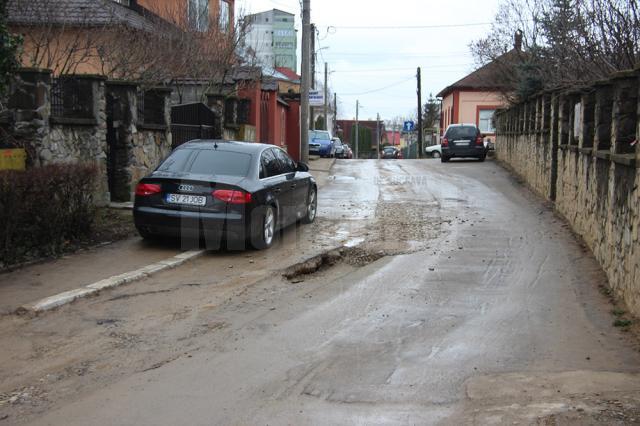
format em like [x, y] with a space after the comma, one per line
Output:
[518, 41]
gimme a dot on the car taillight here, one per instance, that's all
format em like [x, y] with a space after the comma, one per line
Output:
[445, 142]
[479, 140]
[146, 189]
[232, 197]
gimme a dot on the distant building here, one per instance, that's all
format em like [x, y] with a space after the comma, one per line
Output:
[272, 37]
[475, 98]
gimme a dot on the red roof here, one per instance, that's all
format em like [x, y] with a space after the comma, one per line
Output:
[393, 138]
[291, 75]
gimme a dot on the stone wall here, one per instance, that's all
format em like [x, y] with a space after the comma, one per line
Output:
[109, 134]
[579, 149]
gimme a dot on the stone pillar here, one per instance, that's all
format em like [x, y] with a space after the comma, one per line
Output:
[602, 116]
[625, 112]
[587, 122]
[29, 102]
[122, 115]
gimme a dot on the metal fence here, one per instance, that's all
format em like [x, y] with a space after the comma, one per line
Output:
[71, 98]
[151, 107]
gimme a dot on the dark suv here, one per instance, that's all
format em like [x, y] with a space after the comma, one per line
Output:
[462, 140]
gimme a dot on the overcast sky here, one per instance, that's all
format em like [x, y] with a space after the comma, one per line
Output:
[364, 62]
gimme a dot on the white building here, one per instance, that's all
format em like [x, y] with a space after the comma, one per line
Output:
[273, 38]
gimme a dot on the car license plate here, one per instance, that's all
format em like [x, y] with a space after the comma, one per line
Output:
[461, 143]
[190, 200]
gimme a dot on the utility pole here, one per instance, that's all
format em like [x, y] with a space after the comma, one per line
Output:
[378, 136]
[335, 114]
[326, 97]
[420, 137]
[305, 82]
[313, 71]
[357, 129]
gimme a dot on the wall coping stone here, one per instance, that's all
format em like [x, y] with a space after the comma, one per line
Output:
[74, 121]
[625, 159]
[587, 151]
[159, 89]
[573, 148]
[158, 127]
[605, 155]
[121, 83]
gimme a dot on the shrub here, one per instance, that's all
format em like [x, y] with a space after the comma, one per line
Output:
[44, 208]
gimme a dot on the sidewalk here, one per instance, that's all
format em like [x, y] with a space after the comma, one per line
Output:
[32, 283]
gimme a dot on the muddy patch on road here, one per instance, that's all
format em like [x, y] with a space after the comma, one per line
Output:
[354, 256]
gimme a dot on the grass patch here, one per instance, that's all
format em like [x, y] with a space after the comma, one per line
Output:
[618, 312]
[622, 323]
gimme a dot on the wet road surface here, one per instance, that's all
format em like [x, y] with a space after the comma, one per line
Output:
[457, 298]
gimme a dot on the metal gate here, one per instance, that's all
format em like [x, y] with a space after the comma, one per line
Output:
[193, 121]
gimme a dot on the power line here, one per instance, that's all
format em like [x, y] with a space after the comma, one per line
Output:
[404, 27]
[452, 66]
[380, 89]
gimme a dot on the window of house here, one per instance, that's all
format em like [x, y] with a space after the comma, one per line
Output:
[485, 120]
[224, 20]
[199, 15]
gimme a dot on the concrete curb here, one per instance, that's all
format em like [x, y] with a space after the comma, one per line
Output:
[52, 302]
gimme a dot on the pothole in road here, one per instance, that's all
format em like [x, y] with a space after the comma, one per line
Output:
[354, 256]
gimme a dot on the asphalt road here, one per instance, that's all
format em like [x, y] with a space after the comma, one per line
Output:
[457, 297]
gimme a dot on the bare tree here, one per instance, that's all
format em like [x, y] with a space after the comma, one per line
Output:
[564, 42]
[152, 47]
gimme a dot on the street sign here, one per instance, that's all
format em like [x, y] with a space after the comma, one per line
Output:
[316, 98]
[409, 126]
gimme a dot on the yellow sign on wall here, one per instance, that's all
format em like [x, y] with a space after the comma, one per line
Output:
[13, 159]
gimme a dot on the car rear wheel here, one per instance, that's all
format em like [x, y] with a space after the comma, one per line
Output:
[264, 229]
[481, 159]
[444, 159]
[435, 154]
[312, 206]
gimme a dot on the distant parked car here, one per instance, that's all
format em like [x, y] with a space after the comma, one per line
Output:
[225, 191]
[434, 151]
[339, 147]
[320, 143]
[462, 140]
[391, 152]
[348, 153]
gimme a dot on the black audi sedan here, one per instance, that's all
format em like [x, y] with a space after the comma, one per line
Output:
[226, 192]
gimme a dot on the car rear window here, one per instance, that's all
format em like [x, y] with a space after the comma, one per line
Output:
[389, 149]
[319, 135]
[462, 132]
[207, 162]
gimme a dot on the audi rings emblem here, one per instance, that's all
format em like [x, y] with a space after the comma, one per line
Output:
[186, 188]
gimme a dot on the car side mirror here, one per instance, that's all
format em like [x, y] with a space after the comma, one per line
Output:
[302, 167]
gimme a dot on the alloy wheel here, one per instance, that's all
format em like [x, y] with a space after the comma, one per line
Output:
[269, 226]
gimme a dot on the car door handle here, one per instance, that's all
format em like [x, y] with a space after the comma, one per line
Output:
[293, 185]
[277, 190]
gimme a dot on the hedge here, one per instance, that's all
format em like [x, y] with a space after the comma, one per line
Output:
[43, 209]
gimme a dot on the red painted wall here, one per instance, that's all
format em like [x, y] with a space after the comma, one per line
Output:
[293, 129]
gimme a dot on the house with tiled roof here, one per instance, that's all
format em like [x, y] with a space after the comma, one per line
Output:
[475, 97]
[58, 33]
